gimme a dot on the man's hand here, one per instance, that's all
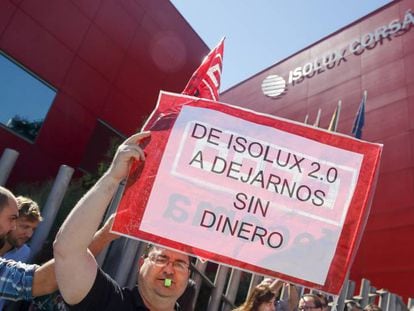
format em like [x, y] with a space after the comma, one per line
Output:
[128, 151]
[274, 284]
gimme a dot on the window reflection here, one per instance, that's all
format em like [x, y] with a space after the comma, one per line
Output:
[24, 99]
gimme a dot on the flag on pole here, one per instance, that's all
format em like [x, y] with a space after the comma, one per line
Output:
[306, 119]
[360, 118]
[333, 125]
[205, 81]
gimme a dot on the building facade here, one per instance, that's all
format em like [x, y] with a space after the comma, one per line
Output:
[76, 73]
[374, 54]
[97, 67]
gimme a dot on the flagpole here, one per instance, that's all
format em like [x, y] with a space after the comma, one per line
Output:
[360, 117]
[333, 125]
[306, 119]
[318, 117]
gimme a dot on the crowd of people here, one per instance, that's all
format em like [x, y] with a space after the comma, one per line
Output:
[73, 280]
[267, 297]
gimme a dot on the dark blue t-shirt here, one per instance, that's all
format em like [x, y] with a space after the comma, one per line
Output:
[106, 295]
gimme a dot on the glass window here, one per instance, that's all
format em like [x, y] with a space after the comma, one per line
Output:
[101, 148]
[24, 99]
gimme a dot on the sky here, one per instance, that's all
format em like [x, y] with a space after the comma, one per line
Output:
[261, 33]
[20, 89]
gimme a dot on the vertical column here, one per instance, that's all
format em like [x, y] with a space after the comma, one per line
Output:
[127, 263]
[256, 279]
[391, 302]
[364, 292]
[7, 161]
[232, 288]
[132, 277]
[410, 304]
[51, 208]
[351, 290]
[215, 299]
[120, 267]
[198, 279]
[339, 301]
[383, 298]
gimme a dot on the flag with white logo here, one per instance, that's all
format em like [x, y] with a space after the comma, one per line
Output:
[205, 82]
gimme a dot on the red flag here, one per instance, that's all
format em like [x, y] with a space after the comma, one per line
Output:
[205, 82]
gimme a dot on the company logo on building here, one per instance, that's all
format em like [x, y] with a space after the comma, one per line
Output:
[274, 85]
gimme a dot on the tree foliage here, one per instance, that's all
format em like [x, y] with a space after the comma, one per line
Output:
[25, 127]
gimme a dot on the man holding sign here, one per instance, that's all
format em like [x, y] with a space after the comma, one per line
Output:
[84, 286]
[251, 191]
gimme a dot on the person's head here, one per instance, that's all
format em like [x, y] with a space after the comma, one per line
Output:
[260, 299]
[310, 302]
[372, 307]
[8, 212]
[324, 300]
[352, 305]
[26, 224]
[163, 274]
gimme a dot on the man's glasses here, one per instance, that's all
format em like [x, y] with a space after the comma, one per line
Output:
[163, 261]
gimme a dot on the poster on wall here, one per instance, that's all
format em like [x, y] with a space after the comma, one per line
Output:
[251, 191]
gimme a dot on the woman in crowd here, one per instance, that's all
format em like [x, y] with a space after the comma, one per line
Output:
[262, 298]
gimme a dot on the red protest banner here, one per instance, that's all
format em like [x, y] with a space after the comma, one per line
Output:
[205, 81]
[252, 191]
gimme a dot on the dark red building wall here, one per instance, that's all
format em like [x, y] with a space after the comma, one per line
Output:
[386, 72]
[108, 59]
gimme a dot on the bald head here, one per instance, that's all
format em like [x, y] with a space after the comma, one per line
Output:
[8, 212]
[5, 196]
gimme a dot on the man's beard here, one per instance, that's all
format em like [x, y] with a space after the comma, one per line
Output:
[14, 242]
[2, 240]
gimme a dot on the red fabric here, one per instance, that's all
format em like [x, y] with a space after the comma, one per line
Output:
[205, 82]
[141, 180]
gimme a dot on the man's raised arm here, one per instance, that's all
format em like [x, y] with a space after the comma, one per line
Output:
[75, 266]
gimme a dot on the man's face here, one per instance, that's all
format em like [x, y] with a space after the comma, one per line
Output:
[164, 264]
[8, 217]
[23, 232]
[307, 304]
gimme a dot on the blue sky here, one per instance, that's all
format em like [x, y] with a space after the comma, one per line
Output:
[22, 94]
[263, 32]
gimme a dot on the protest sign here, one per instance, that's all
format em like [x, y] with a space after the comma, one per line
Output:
[250, 190]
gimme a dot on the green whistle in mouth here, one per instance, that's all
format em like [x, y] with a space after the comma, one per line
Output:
[167, 282]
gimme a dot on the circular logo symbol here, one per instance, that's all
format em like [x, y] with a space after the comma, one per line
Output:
[273, 86]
